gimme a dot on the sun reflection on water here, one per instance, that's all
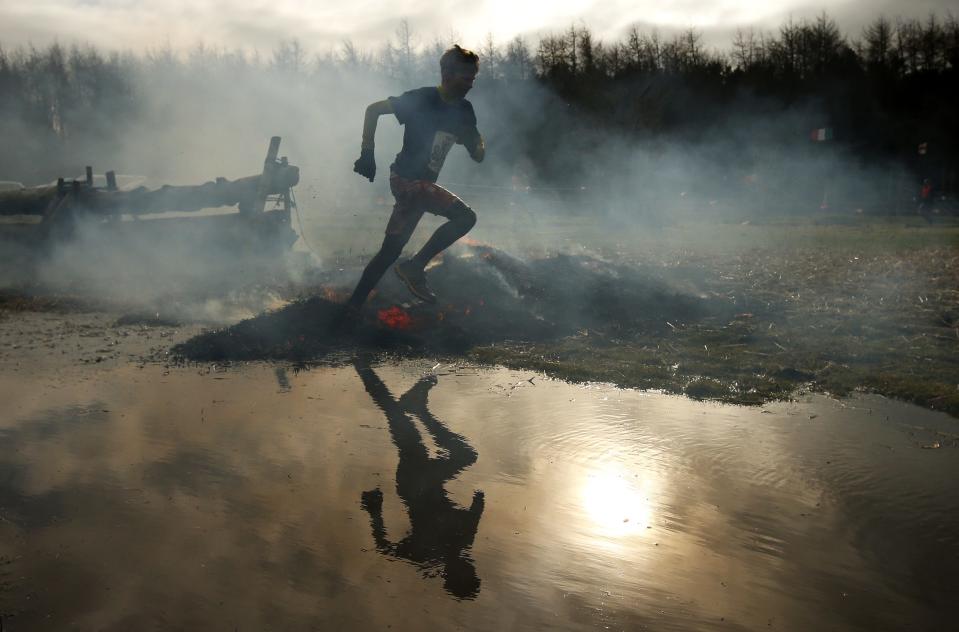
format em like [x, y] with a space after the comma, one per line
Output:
[617, 502]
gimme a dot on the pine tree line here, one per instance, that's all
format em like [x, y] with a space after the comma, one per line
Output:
[884, 90]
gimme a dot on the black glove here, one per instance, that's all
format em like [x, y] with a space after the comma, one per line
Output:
[366, 165]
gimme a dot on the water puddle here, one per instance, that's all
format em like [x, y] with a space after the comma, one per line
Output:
[412, 497]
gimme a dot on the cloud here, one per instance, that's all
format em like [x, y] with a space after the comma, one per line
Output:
[258, 24]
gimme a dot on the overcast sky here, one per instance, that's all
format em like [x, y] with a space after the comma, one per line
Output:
[323, 24]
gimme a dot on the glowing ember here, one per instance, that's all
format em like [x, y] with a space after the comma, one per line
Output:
[395, 318]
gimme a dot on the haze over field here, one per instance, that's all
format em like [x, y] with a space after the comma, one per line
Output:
[637, 132]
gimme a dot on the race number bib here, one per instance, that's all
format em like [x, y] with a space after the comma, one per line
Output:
[442, 142]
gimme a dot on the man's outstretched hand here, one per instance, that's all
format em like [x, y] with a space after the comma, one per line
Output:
[366, 165]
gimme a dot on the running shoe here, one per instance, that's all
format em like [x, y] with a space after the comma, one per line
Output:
[415, 280]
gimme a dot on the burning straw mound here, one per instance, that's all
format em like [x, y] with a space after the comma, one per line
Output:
[485, 296]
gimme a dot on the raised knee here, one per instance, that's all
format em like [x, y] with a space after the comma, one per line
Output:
[465, 216]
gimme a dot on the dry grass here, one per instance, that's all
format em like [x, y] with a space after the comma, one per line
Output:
[872, 307]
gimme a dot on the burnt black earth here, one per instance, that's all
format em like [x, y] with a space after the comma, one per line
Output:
[485, 296]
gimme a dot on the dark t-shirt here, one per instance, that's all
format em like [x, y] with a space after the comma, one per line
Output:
[432, 126]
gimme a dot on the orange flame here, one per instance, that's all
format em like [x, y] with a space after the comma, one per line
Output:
[395, 318]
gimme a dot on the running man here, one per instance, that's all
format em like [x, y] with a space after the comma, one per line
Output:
[434, 119]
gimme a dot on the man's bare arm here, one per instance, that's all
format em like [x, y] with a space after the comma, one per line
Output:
[366, 165]
[373, 112]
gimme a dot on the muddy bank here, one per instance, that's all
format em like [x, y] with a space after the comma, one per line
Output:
[820, 308]
[743, 329]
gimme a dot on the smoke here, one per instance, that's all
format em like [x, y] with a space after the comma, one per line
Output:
[186, 120]
[208, 113]
[753, 160]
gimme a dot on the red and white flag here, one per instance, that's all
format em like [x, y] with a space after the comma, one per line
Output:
[821, 134]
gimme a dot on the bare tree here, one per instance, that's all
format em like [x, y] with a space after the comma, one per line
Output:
[950, 44]
[589, 53]
[517, 64]
[829, 42]
[908, 37]
[878, 50]
[490, 57]
[289, 56]
[349, 56]
[405, 57]
[931, 47]
[744, 48]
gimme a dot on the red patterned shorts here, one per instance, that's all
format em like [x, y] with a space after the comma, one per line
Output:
[415, 197]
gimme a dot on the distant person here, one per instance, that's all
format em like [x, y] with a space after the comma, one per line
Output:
[435, 118]
[925, 197]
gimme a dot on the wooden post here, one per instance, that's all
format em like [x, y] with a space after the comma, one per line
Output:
[266, 177]
[111, 180]
[89, 176]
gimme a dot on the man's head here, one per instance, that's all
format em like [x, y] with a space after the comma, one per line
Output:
[458, 68]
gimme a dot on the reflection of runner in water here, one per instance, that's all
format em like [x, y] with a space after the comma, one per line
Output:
[441, 533]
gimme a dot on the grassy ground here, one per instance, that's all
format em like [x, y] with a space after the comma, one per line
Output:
[830, 303]
[835, 304]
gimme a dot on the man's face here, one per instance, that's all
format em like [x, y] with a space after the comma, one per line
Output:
[461, 81]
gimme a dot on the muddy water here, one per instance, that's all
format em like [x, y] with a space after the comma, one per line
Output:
[390, 497]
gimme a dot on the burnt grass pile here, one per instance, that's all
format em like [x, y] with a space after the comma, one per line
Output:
[486, 297]
[745, 328]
